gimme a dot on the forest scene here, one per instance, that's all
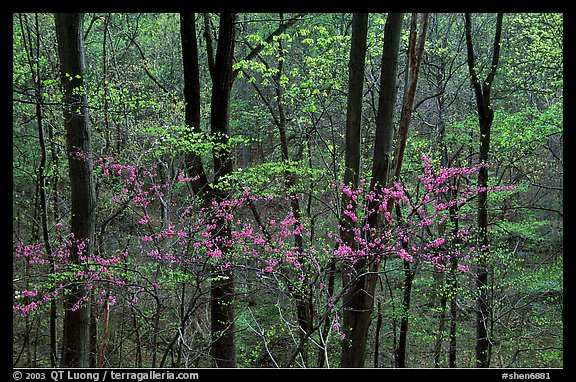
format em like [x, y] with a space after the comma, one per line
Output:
[287, 190]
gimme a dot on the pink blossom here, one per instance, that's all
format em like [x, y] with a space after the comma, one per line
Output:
[351, 215]
[405, 255]
[463, 268]
[182, 178]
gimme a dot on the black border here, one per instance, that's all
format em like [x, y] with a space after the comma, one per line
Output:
[322, 6]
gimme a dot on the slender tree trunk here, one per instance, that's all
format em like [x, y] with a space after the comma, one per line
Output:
[400, 354]
[453, 284]
[93, 352]
[326, 327]
[485, 118]
[440, 281]
[156, 324]
[33, 58]
[138, 358]
[377, 335]
[103, 348]
[415, 52]
[303, 311]
[71, 54]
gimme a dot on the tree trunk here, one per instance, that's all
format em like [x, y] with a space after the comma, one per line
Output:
[355, 330]
[222, 288]
[453, 313]
[71, 54]
[222, 285]
[377, 336]
[440, 282]
[103, 348]
[415, 52]
[485, 117]
[400, 354]
[303, 311]
[33, 56]
[192, 119]
[93, 347]
[358, 300]
[383, 142]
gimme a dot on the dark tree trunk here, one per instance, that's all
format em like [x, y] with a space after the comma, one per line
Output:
[453, 313]
[485, 116]
[400, 354]
[377, 336]
[222, 288]
[358, 301]
[354, 104]
[383, 142]
[355, 330]
[71, 54]
[192, 119]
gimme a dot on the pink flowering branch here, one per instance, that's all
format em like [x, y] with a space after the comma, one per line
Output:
[264, 245]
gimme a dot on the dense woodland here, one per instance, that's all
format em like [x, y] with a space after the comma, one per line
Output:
[287, 190]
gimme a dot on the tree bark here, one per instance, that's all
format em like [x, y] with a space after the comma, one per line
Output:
[485, 118]
[222, 288]
[222, 347]
[71, 55]
[355, 330]
[192, 118]
[415, 52]
[359, 298]
[400, 353]
[383, 142]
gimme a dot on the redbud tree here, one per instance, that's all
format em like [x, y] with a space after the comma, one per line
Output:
[156, 254]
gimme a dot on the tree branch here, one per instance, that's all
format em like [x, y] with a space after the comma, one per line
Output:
[281, 29]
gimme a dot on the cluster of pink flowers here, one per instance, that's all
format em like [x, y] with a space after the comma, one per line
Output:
[93, 271]
[227, 235]
[416, 233]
